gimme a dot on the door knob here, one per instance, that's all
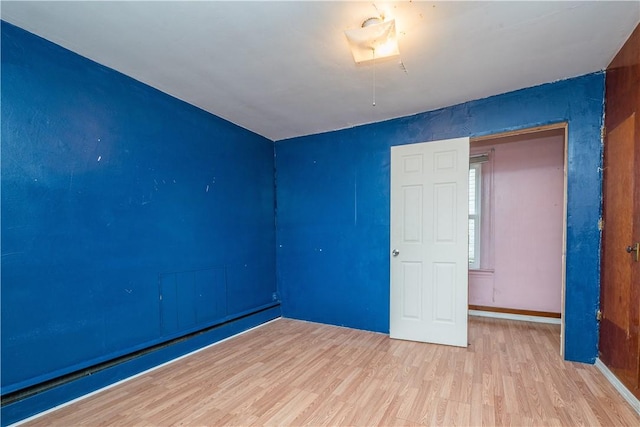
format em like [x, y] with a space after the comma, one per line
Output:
[635, 248]
[395, 252]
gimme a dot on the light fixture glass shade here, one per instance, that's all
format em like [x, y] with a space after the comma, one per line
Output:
[373, 41]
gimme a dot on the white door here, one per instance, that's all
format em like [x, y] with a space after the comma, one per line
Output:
[429, 241]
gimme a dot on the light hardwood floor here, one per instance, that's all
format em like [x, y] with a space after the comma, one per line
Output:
[290, 372]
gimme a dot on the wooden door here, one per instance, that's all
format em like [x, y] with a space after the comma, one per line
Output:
[620, 284]
[429, 241]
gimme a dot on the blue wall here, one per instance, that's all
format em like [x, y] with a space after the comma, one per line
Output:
[114, 193]
[333, 205]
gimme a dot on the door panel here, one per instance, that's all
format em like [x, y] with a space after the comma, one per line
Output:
[619, 300]
[620, 285]
[429, 227]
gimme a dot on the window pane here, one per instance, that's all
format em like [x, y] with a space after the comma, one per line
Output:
[472, 191]
[472, 241]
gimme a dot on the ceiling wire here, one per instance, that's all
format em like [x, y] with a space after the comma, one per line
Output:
[373, 52]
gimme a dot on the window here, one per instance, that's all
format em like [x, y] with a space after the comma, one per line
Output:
[474, 214]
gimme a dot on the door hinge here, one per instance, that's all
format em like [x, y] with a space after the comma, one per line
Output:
[599, 315]
[601, 224]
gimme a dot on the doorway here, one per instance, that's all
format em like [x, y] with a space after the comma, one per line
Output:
[484, 219]
[519, 262]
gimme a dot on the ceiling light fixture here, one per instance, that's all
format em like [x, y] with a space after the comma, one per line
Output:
[375, 39]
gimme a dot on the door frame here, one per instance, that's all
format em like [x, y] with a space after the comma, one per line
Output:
[536, 129]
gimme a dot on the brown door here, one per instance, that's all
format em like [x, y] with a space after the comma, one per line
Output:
[620, 284]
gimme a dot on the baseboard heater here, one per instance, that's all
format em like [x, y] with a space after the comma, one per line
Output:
[24, 393]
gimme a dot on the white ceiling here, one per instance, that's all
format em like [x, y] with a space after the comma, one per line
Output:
[284, 69]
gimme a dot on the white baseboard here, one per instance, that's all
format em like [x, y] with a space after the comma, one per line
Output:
[624, 391]
[55, 408]
[509, 316]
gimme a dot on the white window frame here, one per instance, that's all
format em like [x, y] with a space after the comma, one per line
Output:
[476, 218]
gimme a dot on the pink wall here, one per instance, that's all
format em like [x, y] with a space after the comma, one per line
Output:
[521, 245]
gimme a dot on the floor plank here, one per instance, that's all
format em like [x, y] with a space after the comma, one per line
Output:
[290, 372]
